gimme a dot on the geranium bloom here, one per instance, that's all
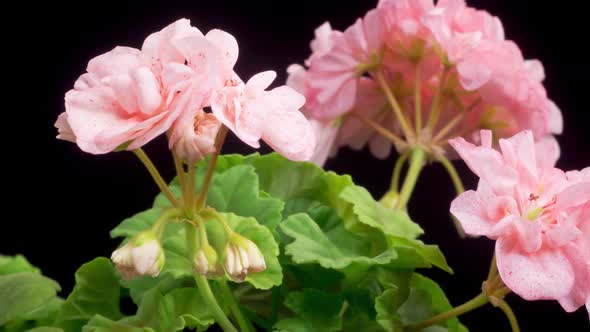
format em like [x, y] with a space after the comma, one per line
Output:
[537, 214]
[273, 116]
[446, 70]
[130, 96]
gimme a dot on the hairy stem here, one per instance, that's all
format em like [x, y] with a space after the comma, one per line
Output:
[181, 175]
[436, 104]
[417, 159]
[149, 165]
[207, 295]
[418, 100]
[219, 140]
[243, 323]
[397, 171]
[399, 114]
[503, 305]
[470, 305]
[380, 129]
[459, 188]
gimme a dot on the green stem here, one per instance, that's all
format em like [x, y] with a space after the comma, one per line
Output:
[418, 100]
[202, 199]
[493, 269]
[190, 189]
[394, 104]
[181, 175]
[393, 138]
[163, 219]
[470, 305]
[503, 305]
[459, 188]
[243, 323]
[417, 159]
[149, 165]
[207, 295]
[436, 104]
[397, 171]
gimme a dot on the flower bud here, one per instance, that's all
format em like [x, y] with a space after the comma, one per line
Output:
[193, 136]
[143, 255]
[242, 256]
[206, 262]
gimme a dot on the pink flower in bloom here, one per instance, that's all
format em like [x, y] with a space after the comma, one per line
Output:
[538, 215]
[273, 116]
[117, 101]
[337, 62]
[455, 58]
[129, 96]
[194, 135]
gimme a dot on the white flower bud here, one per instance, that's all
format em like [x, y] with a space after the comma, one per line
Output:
[206, 262]
[242, 257]
[142, 255]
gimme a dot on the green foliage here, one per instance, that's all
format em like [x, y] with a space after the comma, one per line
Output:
[27, 299]
[96, 293]
[337, 260]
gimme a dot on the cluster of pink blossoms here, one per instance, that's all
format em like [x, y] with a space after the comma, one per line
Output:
[424, 72]
[539, 215]
[129, 96]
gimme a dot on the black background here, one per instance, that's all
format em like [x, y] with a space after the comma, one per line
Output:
[60, 203]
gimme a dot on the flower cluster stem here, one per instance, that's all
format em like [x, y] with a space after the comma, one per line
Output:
[149, 165]
[243, 323]
[207, 295]
[417, 160]
[394, 104]
[219, 140]
[459, 188]
[470, 305]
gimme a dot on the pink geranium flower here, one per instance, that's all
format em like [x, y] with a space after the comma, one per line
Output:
[537, 214]
[194, 135]
[118, 100]
[337, 63]
[253, 113]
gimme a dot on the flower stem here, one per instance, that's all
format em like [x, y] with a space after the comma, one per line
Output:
[503, 305]
[190, 189]
[493, 269]
[417, 159]
[243, 323]
[149, 165]
[380, 129]
[470, 305]
[394, 104]
[207, 295]
[418, 100]
[202, 199]
[459, 188]
[397, 171]
[181, 175]
[164, 218]
[436, 104]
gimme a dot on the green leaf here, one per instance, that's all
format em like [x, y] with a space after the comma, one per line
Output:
[314, 311]
[426, 300]
[313, 276]
[236, 190]
[398, 228]
[334, 249]
[102, 324]
[45, 329]
[386, 306]
[24, 292]
[16, 264]
[182, 308]
[422, 300]
[264, 240]
[96, 292]
[374, 214]
[42, 316]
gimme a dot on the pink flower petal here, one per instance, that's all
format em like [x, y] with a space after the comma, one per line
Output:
[120, 60]
[471, 212]
[544, 275]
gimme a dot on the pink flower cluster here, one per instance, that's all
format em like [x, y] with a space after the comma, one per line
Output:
[539, 215]
[128, 97]
[447, 61]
